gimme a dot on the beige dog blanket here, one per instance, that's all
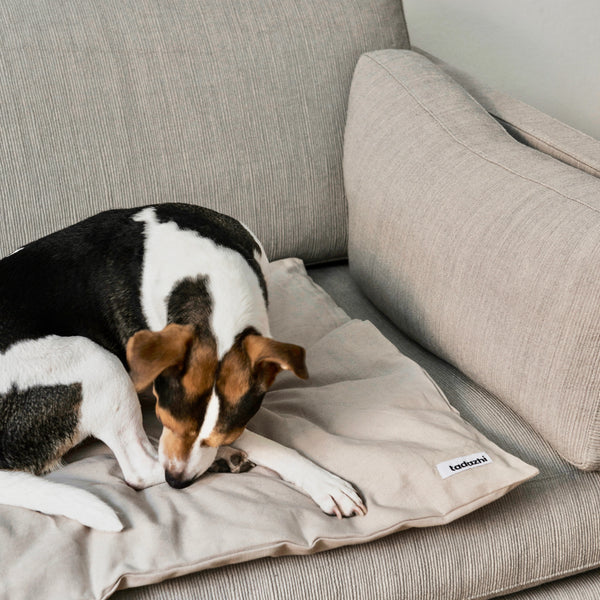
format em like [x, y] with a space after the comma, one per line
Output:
[367, 413]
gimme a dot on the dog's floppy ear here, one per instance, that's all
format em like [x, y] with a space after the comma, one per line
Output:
[268, 357]
[149, 353]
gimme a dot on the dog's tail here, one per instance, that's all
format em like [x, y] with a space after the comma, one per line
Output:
[52, 498]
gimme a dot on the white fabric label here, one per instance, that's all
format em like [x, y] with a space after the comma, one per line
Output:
[462, 463]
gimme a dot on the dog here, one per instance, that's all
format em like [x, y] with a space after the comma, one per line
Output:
[170, 298]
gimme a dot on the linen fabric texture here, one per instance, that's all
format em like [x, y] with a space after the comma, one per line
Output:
[367, 413]
[529, 125]
[480, 248]
[237, 105]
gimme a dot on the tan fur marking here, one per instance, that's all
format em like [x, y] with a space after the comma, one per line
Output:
[257, 360]
[183, 428]
[178, 437]
[234, 376]
[215, 440]
[149, 353]
[266, 350]
[202, 367]
[176, 447]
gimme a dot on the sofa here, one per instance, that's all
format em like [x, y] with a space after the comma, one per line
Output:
[460, 222]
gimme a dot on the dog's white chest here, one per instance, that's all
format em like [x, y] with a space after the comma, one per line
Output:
[172, 254]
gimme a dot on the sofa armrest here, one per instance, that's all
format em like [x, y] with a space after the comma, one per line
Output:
[529, 125]
[478, 247]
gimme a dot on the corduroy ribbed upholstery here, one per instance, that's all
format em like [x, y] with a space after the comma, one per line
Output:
[585, 586]
[237, 105]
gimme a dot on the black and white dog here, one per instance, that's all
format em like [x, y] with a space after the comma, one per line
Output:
[170, 297]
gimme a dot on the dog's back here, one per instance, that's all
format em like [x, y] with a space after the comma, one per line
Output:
[86, 279]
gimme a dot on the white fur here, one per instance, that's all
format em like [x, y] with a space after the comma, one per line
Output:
[172, 254]
[51, 360]
[332, 494]
[201, 457]
[211, 417]
[172, 465]
[109, 410]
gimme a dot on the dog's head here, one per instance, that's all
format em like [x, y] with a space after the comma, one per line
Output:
[203, 402]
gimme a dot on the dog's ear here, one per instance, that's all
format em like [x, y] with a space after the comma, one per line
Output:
[268, 357]
[149, 353]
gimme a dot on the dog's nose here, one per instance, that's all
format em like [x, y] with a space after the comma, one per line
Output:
[176, 480]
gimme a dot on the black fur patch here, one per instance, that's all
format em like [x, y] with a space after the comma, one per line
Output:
[85, 279]
[190, 303]
[172, 396]
[37, 426]
[234, 415]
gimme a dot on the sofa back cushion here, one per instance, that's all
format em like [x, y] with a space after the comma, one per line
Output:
[236, 105]
[485, 251]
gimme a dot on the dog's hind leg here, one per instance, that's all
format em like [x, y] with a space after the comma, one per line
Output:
[54, 392]
[40, 398]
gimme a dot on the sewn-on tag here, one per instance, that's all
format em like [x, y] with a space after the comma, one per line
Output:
[462, 463]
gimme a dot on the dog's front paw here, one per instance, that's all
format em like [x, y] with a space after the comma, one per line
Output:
[231, 460]
[334, 495]
[146, 475]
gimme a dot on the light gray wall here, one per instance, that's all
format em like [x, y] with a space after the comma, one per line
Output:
[543, 52]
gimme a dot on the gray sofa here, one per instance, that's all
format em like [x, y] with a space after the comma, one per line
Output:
[241, 106]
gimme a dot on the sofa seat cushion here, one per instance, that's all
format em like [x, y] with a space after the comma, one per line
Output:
[482, 249]
[367, 413]
[238, 106]
[546, 529]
